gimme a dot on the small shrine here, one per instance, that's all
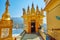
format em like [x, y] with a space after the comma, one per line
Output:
[6, 25]
[33, 19]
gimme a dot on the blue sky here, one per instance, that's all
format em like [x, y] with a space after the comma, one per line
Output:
[15, 8]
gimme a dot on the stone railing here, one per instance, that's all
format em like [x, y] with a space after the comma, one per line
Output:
[42, 34]
[21, 36]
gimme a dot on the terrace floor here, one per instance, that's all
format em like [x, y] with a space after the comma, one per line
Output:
[31, 37]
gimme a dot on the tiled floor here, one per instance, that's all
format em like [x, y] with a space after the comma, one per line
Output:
[31, 37]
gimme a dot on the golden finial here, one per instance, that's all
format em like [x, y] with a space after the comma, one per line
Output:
[37, 8]
[7, 4]
[24, 11]
[32, 9]
[32, 5]
[28, 9]
[41, 9]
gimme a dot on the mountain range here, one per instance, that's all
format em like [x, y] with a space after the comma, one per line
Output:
[17, 21]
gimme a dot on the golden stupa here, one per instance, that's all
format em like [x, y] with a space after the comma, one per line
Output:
[6, 25]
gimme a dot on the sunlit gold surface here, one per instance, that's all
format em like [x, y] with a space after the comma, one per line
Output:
[6, 22]
[32, 15]
[53, 24]
[6, 15]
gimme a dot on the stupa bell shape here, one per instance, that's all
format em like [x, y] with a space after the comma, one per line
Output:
[6, 15]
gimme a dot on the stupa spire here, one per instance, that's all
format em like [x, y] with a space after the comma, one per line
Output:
[28, 9]
[6, 15]
[32, 9]
[37, 8]
[32, 5]
[24, 12]
[7, 4]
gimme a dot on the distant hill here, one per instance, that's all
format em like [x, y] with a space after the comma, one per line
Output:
[17, 21]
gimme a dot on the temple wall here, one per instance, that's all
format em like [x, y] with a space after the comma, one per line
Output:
[53, 19]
